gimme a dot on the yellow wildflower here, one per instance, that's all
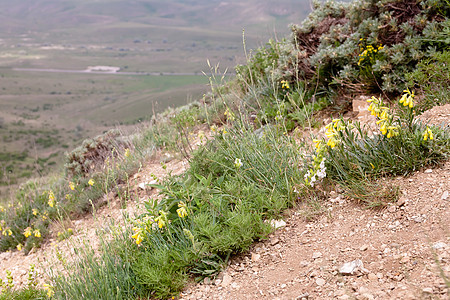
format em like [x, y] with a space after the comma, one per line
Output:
[35, 211]
[284, 84]
[393, 131]
[19, 247]
[91, 182]
[27, 232]
[71, 185]
[428, 134]
[50, 290]
[182, 210]
[51, 199]
[2, 209]
[7, 231]
[407, 98]
[138, 236]
[127, 152]
[161, 219]
[37, 233]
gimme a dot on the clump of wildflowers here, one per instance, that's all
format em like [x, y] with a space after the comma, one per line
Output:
[407, 99]
[138, 234]
[368, 53]
[50, 290]
[161, 220]
[285, 84]
[182, 210]
[51, 199]
[427, 134]
[385, 119]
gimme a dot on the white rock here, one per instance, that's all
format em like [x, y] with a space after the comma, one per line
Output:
[227, 279]
[444, 195]
[439, 245]
[317, 254]
[277, 223]
[350, 268]
[255, 257]
[320, 281]
[428, 171]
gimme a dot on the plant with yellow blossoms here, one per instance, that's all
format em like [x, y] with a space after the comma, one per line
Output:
[385, 119]
[27, 232]
[428, 134]
[285, 84]
[161, 220]
[138, 234]
[51, 199]
[407, 99]
[50, 290]
[182, 210]
[318, 170]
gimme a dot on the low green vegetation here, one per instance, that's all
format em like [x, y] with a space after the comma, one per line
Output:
[259, 158]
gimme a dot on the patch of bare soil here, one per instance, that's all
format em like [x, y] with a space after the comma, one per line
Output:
[402, 250]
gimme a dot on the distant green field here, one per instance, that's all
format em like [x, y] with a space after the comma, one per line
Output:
[45, 114]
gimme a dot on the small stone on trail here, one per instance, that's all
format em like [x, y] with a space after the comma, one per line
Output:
[364, 248]
[439, 245]
[317, 254]
[226, 280]
[372, 277]
[350, 268]
[444, 195]
[391, 209]
[274, 241]
[428, 290]
[320, 281]
[401, 202]
[418, 219]
[277, 223]
[428, 171]
[304, 296]
[255, 257]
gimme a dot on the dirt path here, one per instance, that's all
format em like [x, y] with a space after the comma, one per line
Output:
[398, 247]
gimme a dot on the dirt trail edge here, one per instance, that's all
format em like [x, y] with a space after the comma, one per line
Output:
[350, 252]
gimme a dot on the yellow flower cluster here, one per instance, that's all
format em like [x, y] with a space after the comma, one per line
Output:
[50, 290]
[182, 211]
[368, 53]
[51, 199]
[407, 99]
[138, 234]
[385, 120]
[5, 229]
[428, 134]
[333, 132]
[160, 221]
[285, 84]
[29, 231]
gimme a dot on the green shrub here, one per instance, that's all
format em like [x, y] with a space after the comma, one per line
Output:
[235, 184]
[432, 77]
